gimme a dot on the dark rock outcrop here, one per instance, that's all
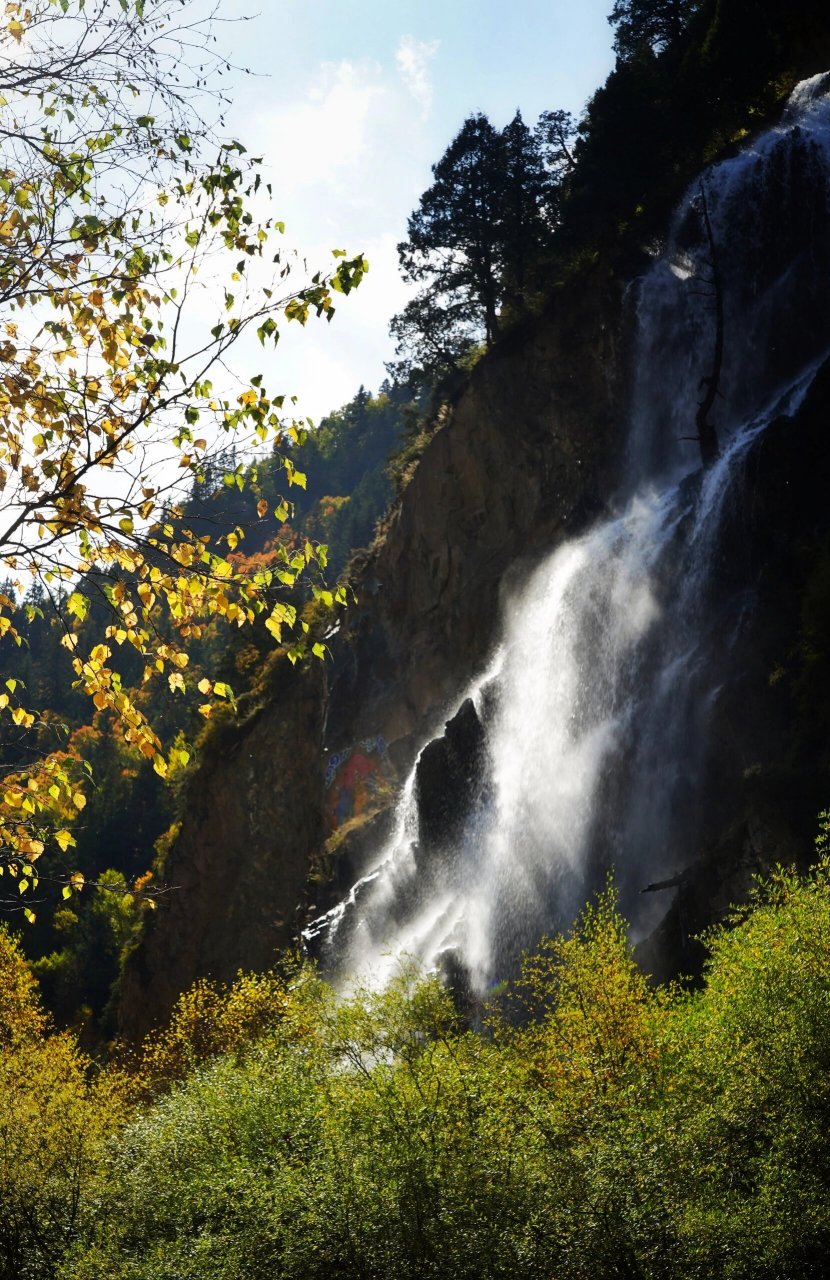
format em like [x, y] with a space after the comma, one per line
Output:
[451, 778]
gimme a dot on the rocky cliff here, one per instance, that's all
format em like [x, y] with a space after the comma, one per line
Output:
[725, 763]
[767, 767]
[524, 458]
[237, 870]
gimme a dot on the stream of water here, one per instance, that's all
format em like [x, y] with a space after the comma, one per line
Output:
[596, 706]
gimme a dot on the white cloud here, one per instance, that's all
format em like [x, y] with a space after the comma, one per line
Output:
[326, 363]
[314, 142]
[341, 178]
[413, 58]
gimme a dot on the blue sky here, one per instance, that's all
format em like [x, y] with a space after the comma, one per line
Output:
[350, 105]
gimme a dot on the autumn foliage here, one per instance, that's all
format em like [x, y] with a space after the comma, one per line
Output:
[590, 1124]
[137, 249]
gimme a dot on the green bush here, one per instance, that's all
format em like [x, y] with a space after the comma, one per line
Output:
[612, 1129]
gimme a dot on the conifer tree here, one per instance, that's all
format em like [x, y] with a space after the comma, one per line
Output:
[528, 207]
[648, 24]
[473, 240]
[454, 233]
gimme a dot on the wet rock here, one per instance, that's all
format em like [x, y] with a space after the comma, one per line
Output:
[451, 780]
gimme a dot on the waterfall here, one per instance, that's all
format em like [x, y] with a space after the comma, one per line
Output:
[584, 743]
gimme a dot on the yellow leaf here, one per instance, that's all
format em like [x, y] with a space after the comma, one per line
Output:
[183, 554]
[77, 880]
[79, 800]
[64, 839]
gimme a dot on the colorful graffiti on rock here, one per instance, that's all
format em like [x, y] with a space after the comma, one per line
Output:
[353, 778]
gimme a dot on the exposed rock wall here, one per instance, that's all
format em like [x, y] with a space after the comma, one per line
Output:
[768, 758]
[525, 458]
[237, 872]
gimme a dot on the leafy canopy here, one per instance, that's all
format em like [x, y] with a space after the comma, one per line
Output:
[137, 249]
[617, 1130]
[641, 25]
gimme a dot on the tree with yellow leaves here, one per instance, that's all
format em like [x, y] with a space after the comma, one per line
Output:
[129, 236]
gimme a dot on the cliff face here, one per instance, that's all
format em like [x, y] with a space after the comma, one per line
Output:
[654, 690]
[237, 871]
[737, 788]
[767, 754]
[525, 457]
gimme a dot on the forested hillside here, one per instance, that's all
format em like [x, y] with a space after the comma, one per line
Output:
[120, 837]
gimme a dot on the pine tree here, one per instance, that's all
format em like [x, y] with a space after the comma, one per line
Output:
[648, 24]
[473, 241]
[529, 203]
[454, 233]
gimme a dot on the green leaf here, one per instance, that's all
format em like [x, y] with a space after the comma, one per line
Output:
[78, 605]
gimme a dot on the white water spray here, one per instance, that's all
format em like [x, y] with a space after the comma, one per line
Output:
[595, 708]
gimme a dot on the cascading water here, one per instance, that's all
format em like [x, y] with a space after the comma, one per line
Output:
[589, 728]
